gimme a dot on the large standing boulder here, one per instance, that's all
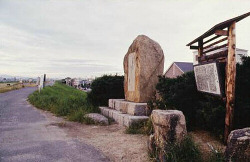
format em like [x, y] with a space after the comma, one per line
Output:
[143, 63]
[238, 146]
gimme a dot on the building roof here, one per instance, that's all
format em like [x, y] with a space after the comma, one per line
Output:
[185, 66]
[219, 26]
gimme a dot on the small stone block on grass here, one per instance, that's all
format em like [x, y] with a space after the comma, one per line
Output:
[98, 118]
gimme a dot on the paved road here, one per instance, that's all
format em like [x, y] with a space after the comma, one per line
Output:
[27, 135]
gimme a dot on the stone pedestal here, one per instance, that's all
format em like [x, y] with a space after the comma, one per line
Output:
[169, 127]
[143, 63]
[132, 108]
[238, 146]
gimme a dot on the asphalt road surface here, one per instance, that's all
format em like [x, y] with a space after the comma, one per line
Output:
[27, 135]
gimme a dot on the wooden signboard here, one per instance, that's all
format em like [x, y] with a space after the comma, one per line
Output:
[208, 79]
[207, 76]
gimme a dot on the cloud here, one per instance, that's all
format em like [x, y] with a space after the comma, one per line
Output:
[67, 38]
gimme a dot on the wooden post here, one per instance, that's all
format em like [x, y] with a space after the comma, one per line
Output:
[44, 80]
[200, 48]
[230, 81]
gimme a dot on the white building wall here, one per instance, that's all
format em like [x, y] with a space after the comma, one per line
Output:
[239, 54]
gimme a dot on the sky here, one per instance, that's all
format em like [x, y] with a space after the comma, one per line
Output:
[88, 38]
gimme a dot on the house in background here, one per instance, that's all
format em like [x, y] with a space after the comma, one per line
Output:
[178, 68]
[68, 81]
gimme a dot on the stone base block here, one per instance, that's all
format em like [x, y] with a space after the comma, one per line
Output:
[132, 108]
[169, 124]
[121, 118]
[169, 127]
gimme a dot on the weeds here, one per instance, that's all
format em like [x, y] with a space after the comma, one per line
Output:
[216, 157]
[183, 151]
[140, 128]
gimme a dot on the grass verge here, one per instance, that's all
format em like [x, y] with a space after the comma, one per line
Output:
[5, 87]
[63, 100]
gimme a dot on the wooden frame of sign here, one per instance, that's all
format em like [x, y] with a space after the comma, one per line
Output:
[227, 56]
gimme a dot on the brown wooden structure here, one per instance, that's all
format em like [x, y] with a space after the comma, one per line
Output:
[221, 36]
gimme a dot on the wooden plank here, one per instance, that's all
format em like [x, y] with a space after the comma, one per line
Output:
[215, 48]
[212, 44]
[221, 32]
[194, 47]
[221, 54]
[215, 37]
[230, 81]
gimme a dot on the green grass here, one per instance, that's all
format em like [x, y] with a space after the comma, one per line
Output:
[216, 157]
[140, 128]
[183, 151]
[63, 100]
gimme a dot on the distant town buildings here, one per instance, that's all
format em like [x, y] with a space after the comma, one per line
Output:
[10, 79]
[78, 83]
[68, 81]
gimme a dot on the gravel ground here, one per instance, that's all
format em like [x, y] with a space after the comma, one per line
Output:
[26, 134]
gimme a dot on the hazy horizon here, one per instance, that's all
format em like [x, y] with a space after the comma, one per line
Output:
[90, 38]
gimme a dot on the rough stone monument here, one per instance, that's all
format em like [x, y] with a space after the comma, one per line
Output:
[169, 127]
[143, 63]
[238, 145]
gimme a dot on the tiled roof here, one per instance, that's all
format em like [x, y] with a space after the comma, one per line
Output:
[185, 66]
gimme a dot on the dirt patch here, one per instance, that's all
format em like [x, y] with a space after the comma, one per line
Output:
[205, 141]
[118, 146]
[111, 140]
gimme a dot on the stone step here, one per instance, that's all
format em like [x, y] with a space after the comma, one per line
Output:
[121, 118]
[132, 108]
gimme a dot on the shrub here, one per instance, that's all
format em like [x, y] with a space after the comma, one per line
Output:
[201, 110]
[242, 102]
[105, 88]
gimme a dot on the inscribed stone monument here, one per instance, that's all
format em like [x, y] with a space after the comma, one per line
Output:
[143, 63]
